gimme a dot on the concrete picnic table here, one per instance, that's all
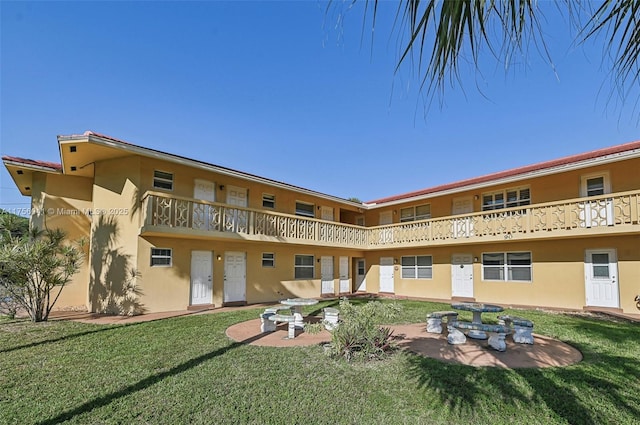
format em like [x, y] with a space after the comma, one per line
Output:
[477, 309]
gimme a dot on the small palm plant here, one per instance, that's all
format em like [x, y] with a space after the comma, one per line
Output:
[360, 333]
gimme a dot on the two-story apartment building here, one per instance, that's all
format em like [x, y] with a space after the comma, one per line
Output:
[167, 233]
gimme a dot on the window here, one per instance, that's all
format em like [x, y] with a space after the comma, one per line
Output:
[162, 180]
[268, 259]
[595, 186]
[507, 266]
[306, 210]
[506, 199]
[304, 267]
[268, 201]
[417, 267]
[420, 212]
[161, 257]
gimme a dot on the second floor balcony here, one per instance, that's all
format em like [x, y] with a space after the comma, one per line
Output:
[617, 213]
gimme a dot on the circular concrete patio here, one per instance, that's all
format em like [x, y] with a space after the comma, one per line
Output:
[546, 352]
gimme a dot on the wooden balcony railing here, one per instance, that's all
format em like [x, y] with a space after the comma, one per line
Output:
[606, 214]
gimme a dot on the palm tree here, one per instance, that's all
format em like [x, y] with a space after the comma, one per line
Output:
[435, 33]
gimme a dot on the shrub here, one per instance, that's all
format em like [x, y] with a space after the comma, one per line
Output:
[360, 335]
[34, 270]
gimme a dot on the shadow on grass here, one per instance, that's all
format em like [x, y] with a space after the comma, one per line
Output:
[58, 339]
[144, 383]
[565, 392]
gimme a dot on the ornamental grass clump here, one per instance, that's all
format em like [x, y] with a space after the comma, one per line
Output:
[360, 333]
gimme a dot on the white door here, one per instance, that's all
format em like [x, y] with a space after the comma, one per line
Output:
[462, 227]
[386, 274]
[235, 281]
[205, 190]
[601, 283]
[236, 220]
[326, 213]
[326, 276]
[361, 273]
[201, 277]
[345, 282]
[386, 235]
[462, 275]
[596, 212]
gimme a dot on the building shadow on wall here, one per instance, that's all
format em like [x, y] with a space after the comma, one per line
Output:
[113, 282]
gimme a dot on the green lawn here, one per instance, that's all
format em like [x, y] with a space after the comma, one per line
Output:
[185, 370]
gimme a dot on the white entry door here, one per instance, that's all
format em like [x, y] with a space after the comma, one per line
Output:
[201, 277]
[462, 227]
[361, 273]
[601, 283]
[345, 282]
[205, 190]
[462, 275]
[326, 276]
[386, 275]
[235, 277]
[236, 220]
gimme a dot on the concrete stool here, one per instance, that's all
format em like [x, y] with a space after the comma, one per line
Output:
[330, 318]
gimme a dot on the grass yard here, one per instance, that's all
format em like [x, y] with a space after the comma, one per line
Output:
[185, 370]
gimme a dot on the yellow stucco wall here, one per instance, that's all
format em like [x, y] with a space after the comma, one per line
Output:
[168, 288]
[115, 228]
[558, 273]
[63, 202]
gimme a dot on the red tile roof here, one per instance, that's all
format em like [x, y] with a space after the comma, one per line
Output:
[26, 161]
[567, 160]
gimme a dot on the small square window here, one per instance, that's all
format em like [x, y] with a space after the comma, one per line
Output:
[161, 257]
[162, 180]
[268, 200]
[268, 259]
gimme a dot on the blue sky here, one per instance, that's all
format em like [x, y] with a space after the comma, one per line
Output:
[290, 92]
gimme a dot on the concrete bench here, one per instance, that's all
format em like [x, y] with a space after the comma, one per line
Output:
[434, 320]
[330, 318]
[267, 325]
[284, 318]
[497, 333]
[522, 328]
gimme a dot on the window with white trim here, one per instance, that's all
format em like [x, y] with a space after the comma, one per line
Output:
[268, 200]
[507, 266]
[419, 212]
[417, 267]
[304, 209]
[161, 257]
[304, 267]
[162, 180]
[268, 259]
[507, 198]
